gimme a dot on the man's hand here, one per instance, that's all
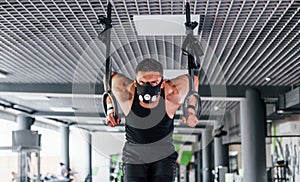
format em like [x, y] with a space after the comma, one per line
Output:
[110, 120]
[192, 120]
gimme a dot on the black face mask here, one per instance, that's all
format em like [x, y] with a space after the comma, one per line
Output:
[148, 93]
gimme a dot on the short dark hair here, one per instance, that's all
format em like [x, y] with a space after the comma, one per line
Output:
[149, 64]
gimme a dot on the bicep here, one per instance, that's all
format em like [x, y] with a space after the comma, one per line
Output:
[120, 86]
[181, 85]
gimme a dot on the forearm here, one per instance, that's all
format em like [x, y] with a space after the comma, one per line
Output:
[113, 74]
[193, 100]
[196, 83]
[191, 119]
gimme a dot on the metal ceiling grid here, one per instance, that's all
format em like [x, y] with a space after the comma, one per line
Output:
[34, 40]
[59, 42]
[253, 70]
[284, 43]
[249, 39]
[232, 64]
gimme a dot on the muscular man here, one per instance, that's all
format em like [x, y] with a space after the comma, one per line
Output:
[149, 104]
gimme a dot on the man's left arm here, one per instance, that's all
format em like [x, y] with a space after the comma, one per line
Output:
[192, 119]
[181, 83]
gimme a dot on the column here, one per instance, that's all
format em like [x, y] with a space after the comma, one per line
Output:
[198, 170]
[221, 156]
[198, 161]
[253, 137]
[64, 136]
[88, 154]
[207, 157]
[221, 153]
[24, 122]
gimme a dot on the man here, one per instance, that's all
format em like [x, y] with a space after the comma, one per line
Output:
[64, 172]
[14, 176]
[149, 104]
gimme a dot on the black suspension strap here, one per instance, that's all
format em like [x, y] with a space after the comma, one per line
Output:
[192, 49]
[105, 38]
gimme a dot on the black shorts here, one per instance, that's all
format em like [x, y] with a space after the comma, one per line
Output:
[162, 170]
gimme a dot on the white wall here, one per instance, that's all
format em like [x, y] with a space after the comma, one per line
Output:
[103, 145]
[9, 160]
[50, 150]
[49, 141]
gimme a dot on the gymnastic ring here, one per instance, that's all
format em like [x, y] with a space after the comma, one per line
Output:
[198, 106]
[114, 103]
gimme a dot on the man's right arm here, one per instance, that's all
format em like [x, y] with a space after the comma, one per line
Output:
[120, 89]
[181, 83]
[119, 84]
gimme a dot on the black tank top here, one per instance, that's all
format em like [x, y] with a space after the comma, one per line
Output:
[144, 125]
[148, 133]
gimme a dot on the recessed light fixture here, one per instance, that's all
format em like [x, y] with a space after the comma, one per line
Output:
[177, 123]
[113, 129]
[22, 108]
[5, 103]
[62, 109]
[172, 73]
[280, 111]
[33, 97]
[164, 24]
[216, 108]
[268, 79]
[3, 74]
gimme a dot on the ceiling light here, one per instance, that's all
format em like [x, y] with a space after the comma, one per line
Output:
[14, 111]
[162, 24]
[3, 74]
[33, 97]
[268, 79]
[62, 109]
[173, 73]
[5, 103]
[113, 129]
[233, 153]
[280, 111]
[216, 108]
[177, 123]
[96, 121]
[22, 108]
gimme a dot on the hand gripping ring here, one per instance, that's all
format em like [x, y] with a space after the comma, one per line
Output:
[114, 103]
[198, 106]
